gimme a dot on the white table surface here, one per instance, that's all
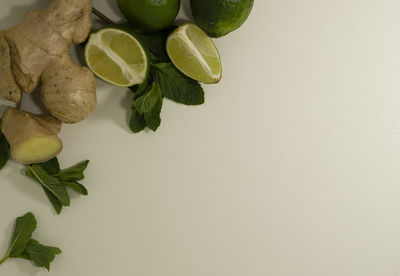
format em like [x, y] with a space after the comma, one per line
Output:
[290, 168]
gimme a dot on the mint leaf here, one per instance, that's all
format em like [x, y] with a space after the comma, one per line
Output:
[155, 43]
[146, 102]
[178, 87]
[51, 183]
[23, 255]
[74, 173]
[4, 150]
[146, 108]
[152, 118]
[54, 181]
[77, 187]
[41, 255]
[140, 89]
[24, 228]
[136, 122]
[52, 166]
[53, 200]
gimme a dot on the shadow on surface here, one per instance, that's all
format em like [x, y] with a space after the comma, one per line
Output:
[17, 12]
[33, 102]
[8, 229]
[112, 4]
[185, 6]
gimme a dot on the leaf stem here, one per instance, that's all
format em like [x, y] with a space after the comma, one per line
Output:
[28, 167]
[4, 259]
[100, 15]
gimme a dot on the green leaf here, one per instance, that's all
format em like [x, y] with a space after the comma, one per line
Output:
[23, 255]
[53, 200]
[136, 122]
[155, 43]
[152, 118]
[24, 247]
[41, 255]
[77, 187]
[146, 109]
[24, 228]
[54, 181]
[51, 183]
[4, 150]
[177, 86]
[52, 166]
[146, 102]
[74, 173]
[139, 90]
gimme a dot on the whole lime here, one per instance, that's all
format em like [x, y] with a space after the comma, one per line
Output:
[150, 15]
[220, 17]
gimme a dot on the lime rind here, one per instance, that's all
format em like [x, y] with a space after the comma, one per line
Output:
[122, 64]
[220, 17]
[150, 16]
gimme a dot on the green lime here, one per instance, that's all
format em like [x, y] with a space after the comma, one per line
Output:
[192, 51]
[150, 15]
[220, 17]
[116, 55]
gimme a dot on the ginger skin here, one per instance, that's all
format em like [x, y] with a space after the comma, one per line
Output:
[37, 50]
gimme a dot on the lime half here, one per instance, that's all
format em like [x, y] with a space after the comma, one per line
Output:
[193, 52]
[116, 56]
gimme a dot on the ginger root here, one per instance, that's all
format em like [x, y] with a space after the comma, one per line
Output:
[57, 86]
[32, 139]
[37, 50]
[8, 87]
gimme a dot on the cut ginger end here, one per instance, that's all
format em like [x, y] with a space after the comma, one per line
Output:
[32, 138]
[37, 149]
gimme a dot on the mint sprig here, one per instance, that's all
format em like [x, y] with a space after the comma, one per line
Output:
[23, 246]
[165, 77]
[56, 181]
[167, 82]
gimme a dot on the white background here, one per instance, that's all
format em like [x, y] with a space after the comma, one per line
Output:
[291, 167]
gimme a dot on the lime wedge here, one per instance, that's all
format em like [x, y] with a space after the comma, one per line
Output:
[116, 56]
[193, 52]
